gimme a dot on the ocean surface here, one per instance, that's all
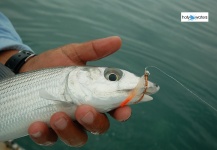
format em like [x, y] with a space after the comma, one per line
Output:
[152, 35]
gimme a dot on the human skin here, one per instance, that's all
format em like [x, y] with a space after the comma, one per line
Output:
[73, 133]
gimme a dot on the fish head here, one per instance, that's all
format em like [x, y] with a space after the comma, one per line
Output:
[107, 88]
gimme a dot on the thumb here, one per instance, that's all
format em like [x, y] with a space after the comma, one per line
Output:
[74, 54]
[93, 50]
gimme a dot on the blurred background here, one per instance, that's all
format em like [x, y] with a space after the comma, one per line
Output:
[152, 34]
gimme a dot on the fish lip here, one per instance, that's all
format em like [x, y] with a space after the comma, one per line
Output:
[142, 88]
[147, 89]
[153, 89]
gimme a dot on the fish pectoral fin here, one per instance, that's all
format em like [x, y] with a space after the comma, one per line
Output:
[43, 93]
[58, 105]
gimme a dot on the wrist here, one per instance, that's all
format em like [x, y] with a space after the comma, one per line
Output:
[15, 60]
[28, 65]
[6, 54]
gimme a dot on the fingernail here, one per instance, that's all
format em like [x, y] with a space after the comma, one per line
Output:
[88, 118]
[61, 123]
[71, 142]
[48, 143]
[104, 42]
[95, 133]
[105, 39]
[125, 119]
[36, 135]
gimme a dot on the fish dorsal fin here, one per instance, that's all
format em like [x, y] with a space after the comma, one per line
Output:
[5, 72]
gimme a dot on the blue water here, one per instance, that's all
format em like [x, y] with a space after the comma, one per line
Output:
[153, 35]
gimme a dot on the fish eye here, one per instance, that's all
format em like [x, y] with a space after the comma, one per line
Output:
[113, 74]
[112, 77]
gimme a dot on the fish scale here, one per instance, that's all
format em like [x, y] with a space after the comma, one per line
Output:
[35, 96]
[13, 111]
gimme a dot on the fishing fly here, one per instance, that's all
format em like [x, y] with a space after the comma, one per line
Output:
[142, 84]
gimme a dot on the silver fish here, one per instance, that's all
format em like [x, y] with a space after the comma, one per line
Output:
[35, 96]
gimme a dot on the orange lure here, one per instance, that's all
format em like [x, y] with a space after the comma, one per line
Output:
[133, 93]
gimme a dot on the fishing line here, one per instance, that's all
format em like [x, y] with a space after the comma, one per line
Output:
[201, 99]
[198, 97]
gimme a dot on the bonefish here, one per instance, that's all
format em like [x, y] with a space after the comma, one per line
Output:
[35, 96]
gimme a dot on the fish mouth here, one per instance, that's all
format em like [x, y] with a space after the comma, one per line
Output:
[147, 89]
[152, 88]
[142, 90]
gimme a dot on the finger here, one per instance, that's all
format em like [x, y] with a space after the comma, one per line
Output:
[121, 114]
[91, 120]
[41, 134]
[74, 54]
[92, 50]
[69, 132]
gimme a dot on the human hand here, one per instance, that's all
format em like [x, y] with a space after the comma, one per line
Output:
[87, 118]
